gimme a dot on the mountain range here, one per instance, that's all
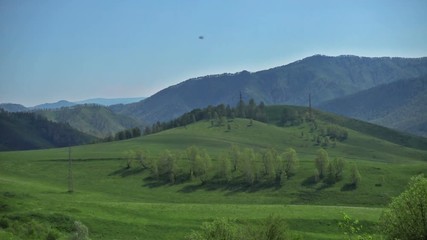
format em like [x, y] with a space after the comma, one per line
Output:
[399, 105]
[324, 78]
[12, 107]
[384, 90]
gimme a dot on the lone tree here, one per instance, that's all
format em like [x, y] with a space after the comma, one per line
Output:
[355, 177]
[406, 216]
[321, 161]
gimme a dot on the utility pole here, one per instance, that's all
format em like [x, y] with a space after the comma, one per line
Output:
[309, 107]
[70, 173]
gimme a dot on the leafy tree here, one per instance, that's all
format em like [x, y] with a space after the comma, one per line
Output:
[249, 166]
[339, 165]
[335, 170]
[130, 157]
[169, 166]
[355, 177]
[406, 216]
[316, 175]
[203, 170]
[321, 162]
[269, 160]
[154, 167]
[224, 168]
[291, 162]
[193, 156]
[142, 157]
[235, 156]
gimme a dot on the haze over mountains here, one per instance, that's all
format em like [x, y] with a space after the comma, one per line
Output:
[384, 90]
[13, 107]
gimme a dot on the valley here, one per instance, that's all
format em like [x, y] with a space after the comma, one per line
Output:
[116, 202]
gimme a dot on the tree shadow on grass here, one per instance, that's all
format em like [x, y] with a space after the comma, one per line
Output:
[230, 187]
[348, 187]
[309, 182]
[125, 172]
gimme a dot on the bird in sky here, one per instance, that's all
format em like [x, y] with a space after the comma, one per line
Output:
[201, 37]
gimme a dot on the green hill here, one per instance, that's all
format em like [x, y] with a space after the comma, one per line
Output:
[21, 131]
[399, 105]
[116, 202]
[95, 120]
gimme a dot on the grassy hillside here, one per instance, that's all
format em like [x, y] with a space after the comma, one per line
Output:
[95, 120]
[399, 105]
[21, 131]
[119, 203]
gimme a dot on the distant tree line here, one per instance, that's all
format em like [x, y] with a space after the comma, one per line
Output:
[123, 135]
[218, 115]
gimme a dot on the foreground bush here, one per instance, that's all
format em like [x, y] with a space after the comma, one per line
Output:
[271, 228]
[406, 216]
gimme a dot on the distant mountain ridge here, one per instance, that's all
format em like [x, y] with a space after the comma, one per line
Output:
[12, 107]
[95, 120]
[324, 77]
[399, 105]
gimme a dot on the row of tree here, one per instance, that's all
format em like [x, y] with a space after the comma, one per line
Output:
[125, 134]
[237, 166]
[331, 172]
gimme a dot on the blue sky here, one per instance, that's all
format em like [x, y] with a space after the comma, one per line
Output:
[74, 50]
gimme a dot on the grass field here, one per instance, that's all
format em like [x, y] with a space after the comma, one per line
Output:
[126, 204]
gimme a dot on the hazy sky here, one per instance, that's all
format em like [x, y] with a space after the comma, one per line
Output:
[74, 50]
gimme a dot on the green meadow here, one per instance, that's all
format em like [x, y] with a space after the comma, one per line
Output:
[119, 203]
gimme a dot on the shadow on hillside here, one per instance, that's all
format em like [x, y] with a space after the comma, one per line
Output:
[348, 187]
[230, 188]
[308, 182]
[124, 172]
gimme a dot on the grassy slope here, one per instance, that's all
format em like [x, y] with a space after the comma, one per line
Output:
[115, 204]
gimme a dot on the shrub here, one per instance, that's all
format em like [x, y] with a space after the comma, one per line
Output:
[406, 216]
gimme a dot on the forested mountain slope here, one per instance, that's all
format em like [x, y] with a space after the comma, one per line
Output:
[95, 120]
[325, 78]
[21, 131]
[400, 105]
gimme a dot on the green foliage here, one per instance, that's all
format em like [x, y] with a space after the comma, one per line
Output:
[235, 156]
[406, 216]
[168, 166]
[224, 168]
[271, 164]
[353, 229]
[355, 176]
[321, 162]
[249, 167]
[37, 226]
[271, 228]
[219, 229]
[335, 171]
[80, 232]
[291, 162]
